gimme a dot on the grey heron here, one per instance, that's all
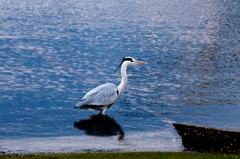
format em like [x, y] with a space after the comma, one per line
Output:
[104, 96]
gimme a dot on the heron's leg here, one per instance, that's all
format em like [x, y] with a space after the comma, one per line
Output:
[102, 111]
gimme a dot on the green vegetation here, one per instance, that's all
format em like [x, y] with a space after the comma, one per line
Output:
[129, 155]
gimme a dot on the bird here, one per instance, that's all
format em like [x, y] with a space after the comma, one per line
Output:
[104, 96]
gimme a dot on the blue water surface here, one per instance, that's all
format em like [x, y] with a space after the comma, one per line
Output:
[53, 52]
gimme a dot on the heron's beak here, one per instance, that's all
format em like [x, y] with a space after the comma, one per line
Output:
[139, 62]
[133, 63]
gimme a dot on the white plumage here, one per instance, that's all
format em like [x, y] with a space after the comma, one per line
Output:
[101, 95]
[105, 95]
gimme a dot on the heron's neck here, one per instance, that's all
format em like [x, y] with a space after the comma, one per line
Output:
[123, 83]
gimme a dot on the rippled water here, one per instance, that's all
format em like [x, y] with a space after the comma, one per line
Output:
[53, 52]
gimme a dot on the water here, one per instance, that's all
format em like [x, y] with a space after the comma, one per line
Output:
[53, 52]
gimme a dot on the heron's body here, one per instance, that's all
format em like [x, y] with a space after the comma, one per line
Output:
[100, 98]
[105, 95]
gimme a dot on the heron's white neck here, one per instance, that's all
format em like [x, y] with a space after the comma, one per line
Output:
[123, 83]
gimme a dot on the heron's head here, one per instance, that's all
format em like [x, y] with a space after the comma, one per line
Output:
[130, 61]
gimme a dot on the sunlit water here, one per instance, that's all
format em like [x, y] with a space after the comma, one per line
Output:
[53, 52]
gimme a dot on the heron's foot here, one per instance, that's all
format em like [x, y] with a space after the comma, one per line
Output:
[101, 114]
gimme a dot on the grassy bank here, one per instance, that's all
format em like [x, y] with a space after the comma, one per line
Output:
[138, 155]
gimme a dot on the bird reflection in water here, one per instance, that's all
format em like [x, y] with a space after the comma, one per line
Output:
[100, 125]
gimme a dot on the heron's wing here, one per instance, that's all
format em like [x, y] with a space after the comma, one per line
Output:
[104, 94]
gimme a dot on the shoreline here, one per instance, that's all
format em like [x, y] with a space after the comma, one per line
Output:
[119, 155]
[208, 139]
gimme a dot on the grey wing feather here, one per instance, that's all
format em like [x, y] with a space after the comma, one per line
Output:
[102, 95]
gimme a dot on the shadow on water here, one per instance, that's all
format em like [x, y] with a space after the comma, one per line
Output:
[100, 125]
